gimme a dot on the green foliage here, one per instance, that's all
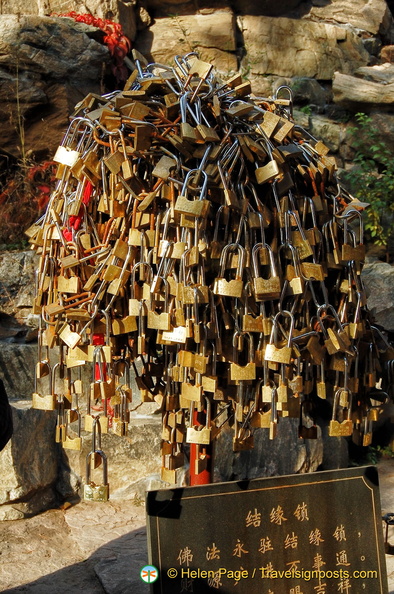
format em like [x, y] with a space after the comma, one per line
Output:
[372, 179]
[306, 109]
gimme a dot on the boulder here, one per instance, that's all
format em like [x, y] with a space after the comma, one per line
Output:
[308, 91]
[383, 123]
[28, 464]
[380, 73]
[331, 133]
[353, 92]
[295, 47]
[124, 11]
[131, 460]
[160, 8]
[213, 35]
[46, 65]
[378, 278]
[387, 53]
[17, 283]
[286, 454]
[17, 367]
[372, 16]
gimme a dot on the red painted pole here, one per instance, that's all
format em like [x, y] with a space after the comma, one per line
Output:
[205, 476]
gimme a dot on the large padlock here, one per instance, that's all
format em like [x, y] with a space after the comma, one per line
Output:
[275, 353]
[345, 427]
[265, 289]
[233, 287]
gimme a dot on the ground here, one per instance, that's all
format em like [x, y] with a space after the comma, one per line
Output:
[99, 548]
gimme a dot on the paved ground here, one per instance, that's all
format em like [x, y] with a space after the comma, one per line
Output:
[99, 548]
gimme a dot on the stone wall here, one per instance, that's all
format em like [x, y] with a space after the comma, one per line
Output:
[337, 58]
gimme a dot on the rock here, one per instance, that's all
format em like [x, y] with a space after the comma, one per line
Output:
[120, 574]
[381, 73]
[335, 451]
[158, 8]
[17, 281]
[286, 454]
[301, 118]
[122, 11]
[331, 133]
[308, 91]
[17, 368]
[355, 93]
[387, 53]
[369, 15]
[378, 278]
[130, 460]
[56, 64]
[28, 464]
[57, 47]
[291, 47]
[212, 35]
[383, 123]
[372, 45]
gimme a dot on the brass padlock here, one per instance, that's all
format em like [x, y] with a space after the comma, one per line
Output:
[233, 287]
[46, 401]
[195, 208]
[344, 428]
[72, 443]
[280, 354]
[265, 289]
[247, 371]
[200, 434]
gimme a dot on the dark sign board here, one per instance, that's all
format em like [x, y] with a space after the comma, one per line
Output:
[317, 533]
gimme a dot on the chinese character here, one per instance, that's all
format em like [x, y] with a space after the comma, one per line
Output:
[291, 541]
[293, 565]
[301, 513]
[318, 562]
[265, 545]
[339, 533]
[186, 585]
[277, 516]
[266, 571]
[296, 590]
[253, 519]
[212, 553]
[238, 549]
[320, 588]
[342, 558]
[344, 586]
[185, 556]
[214, 581]
[315, 537]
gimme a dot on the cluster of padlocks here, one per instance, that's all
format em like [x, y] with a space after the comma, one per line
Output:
[197, 230]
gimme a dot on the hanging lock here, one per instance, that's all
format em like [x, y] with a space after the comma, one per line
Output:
[280, 354]
[93, 491]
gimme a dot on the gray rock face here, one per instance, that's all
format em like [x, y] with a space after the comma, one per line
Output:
[17, 283]
[368, 15]
[47, 62]
[212, 34]
[291, 47]
[130, 460]
[28, 465]
[17, 368]
[378, 278]
[351, 91]
[286, 454]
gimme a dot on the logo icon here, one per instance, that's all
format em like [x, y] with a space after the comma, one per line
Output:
[149, 574]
